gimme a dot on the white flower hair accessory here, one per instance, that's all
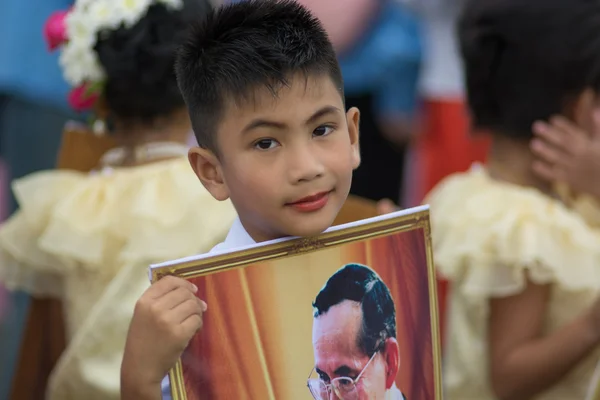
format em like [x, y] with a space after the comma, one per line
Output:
[75, 31]
[88, 17]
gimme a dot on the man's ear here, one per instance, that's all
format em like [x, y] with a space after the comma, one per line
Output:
[391, 352]
[208, 169]
[353, 121]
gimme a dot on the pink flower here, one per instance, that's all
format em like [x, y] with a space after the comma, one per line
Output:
[83, 97]
[55, 29]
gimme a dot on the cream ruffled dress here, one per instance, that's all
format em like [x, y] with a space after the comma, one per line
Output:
[88, 240]
[487, 235]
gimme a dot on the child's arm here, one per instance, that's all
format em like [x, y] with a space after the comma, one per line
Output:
[566, 153]
[524, 362]
[165, 319]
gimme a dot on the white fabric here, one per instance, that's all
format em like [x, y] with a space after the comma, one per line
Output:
[442, 76]
[394, 394]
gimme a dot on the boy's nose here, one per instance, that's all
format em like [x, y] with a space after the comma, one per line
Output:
[304, 165]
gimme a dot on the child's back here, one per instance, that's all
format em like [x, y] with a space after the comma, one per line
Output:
[77, 235]
[524, 269]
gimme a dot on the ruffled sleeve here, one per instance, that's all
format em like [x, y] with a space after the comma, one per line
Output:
[24, 265]
[585, 205]
[589, 208]
[98, 223]
[489, 237]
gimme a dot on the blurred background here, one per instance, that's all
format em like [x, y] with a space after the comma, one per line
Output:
[400, 65]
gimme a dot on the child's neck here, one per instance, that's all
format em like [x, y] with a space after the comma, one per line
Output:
[173, 128]
[510, 160]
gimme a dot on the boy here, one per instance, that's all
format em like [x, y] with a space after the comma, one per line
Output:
[264, 92]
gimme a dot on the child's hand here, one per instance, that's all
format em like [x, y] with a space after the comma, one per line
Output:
[568, 154]
[386, 206]
[165, 319]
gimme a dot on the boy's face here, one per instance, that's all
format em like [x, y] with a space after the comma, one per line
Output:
[285, 161]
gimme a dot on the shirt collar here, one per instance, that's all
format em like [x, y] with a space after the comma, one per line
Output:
[236, 238]
[394, 393]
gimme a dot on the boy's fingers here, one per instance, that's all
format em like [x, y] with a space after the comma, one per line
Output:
[174, 298]
[191, 325]
[169, 283]
[186, 309]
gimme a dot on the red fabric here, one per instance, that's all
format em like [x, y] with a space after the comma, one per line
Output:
[445, 147]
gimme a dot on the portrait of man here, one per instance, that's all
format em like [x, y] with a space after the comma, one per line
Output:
[356, 353]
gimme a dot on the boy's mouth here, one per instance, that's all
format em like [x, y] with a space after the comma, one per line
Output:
[311, 203]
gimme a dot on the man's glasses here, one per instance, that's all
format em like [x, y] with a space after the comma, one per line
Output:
[343, 387]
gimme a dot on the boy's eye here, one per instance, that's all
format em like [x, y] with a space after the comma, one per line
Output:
[265, 144]
[323, 130]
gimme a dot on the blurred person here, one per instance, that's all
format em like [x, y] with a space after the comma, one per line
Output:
[33, 111]
[524, 316]
[78, 237]
[444, 144]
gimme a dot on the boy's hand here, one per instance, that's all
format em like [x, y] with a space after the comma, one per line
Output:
[568, 154]
[165, 319]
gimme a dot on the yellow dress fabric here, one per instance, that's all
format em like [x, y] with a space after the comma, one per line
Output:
[586, 206]
[488, 236]
[77, 236]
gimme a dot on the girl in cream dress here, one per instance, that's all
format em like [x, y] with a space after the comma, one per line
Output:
[523, 262]
[88, 239]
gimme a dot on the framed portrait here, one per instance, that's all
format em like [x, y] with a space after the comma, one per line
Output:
[349, 314]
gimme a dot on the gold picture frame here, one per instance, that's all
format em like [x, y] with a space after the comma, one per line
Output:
[415, 219]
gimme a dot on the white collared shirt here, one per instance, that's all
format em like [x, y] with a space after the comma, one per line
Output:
[394, 393]
[236, 238]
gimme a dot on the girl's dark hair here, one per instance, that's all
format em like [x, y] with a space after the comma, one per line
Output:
[527, 59]
[139, 61]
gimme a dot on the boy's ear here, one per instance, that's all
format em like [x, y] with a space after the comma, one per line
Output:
[353, 120]
[207, 167]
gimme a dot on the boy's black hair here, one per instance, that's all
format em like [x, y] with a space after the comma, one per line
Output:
[526, 60]
[243, 47]
[138, 61]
